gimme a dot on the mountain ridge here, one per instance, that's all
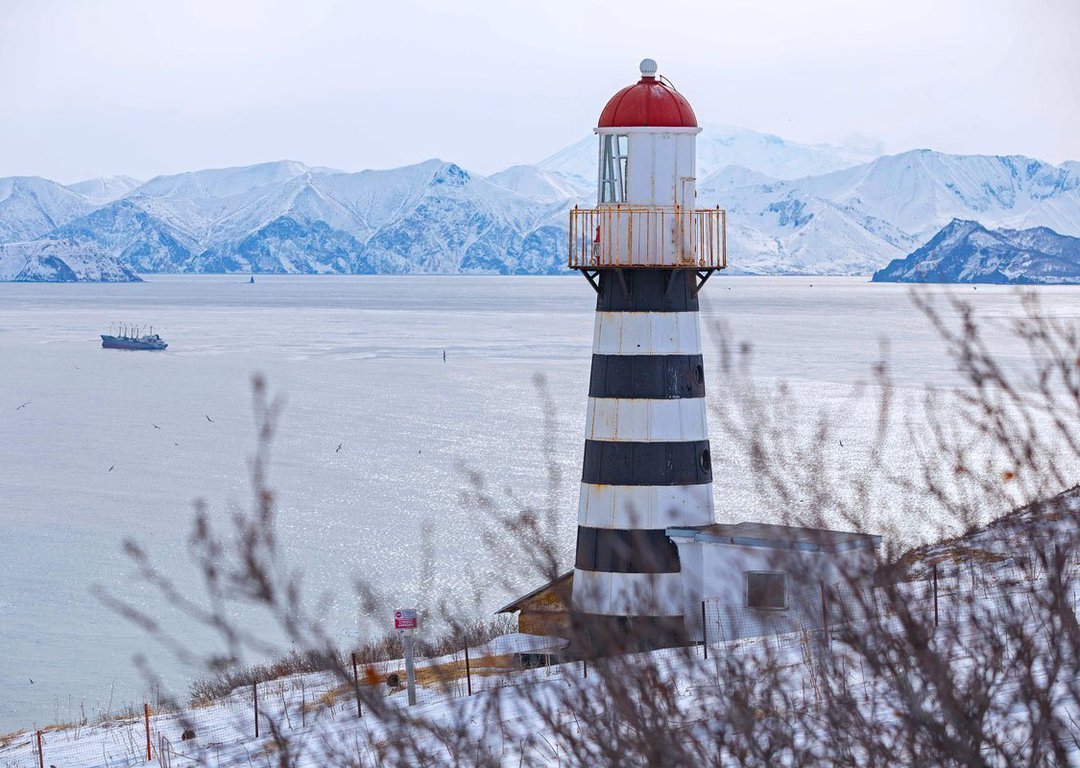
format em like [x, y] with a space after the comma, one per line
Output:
[965, 251]
[437, 217]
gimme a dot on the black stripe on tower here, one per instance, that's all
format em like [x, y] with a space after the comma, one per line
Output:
[600, 634]
[647, 290]
[651, 377]
[618, 551]
[609, 462]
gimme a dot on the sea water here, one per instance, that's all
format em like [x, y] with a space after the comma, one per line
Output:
[398, 393]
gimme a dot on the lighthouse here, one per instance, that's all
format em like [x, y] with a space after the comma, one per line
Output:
[646, 250]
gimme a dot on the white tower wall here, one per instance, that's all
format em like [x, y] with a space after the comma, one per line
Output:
[654, 225]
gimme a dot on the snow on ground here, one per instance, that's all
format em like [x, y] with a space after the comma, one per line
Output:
[317, 713]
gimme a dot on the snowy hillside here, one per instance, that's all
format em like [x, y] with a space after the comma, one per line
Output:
[722, 145]
[286, 217]
[32, 206]
[104, 189]
[967, 252]
[545, 185]
[857, 220]
[48, 261]
[793, 209]
[920, 191]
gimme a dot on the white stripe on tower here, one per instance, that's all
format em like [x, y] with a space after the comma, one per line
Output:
[646, 333]
[646, 421]
[644, 506]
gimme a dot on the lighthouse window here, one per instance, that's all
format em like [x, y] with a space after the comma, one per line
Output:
[613, 168]
[766, 590]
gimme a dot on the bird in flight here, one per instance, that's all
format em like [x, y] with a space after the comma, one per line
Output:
[112, 467]
[23, 405]
[155, 426]
[339, 447]
[209, 419]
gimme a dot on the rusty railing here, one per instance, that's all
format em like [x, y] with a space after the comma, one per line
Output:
[637, 236]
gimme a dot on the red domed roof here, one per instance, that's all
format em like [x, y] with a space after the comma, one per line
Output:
[648, 103]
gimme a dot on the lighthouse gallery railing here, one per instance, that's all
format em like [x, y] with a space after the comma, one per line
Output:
[638, 236]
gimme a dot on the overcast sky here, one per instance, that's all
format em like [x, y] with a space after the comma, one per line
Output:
[103, 87]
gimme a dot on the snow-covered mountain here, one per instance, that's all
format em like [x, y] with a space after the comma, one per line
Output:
[723, 145]
[544, 185]
[967, 252]
[31, 206]
[921, 190]
[59, 261]
[793, 209]
[286, 217]
[105, 189]
[856, 220]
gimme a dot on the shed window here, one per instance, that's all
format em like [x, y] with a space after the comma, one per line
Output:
[766, 590]
[613, 168]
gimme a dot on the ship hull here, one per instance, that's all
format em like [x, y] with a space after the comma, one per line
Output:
[113, 342]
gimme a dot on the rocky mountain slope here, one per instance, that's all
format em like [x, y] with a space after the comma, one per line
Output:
[967, 252]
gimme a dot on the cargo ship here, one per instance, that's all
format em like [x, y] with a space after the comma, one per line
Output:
[127, 338]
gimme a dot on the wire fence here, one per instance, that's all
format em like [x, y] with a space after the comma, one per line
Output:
[252, 721]
[941, 593]
[255, 719]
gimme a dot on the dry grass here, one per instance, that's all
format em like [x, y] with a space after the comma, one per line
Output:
[204, 692]
[953, 551]
[7, 739]
[484, 666]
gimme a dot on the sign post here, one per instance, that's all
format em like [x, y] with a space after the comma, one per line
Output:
[405, 621]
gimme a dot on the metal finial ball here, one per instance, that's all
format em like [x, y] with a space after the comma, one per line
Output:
[648, 68]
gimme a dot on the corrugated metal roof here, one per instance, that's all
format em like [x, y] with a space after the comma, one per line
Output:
[777, 536]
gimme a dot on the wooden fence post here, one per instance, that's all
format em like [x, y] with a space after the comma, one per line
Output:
[356, 682]
[704, 632]
[468, 671]
[40, 752]
[935, 596]
[146, 721]
[255, 702]
[824, 610]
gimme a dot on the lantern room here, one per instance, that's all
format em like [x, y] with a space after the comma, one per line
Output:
[653, 123]
[646, 213]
